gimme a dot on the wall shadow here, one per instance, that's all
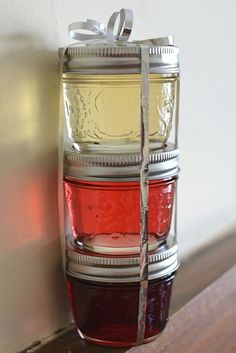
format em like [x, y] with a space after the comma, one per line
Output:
[29, 224]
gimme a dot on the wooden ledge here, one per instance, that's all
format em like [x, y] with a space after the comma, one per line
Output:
[206, 324]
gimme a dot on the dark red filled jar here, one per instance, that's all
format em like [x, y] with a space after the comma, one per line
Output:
[104, 294]
[103, 199]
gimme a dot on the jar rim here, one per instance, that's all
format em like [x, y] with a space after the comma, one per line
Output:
[163, 163]
[107, 268]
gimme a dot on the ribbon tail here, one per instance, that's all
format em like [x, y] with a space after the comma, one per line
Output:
[144, 191]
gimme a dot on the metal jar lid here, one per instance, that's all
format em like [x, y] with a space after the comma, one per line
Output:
[163, 163]
[85, 265]
[115, 59]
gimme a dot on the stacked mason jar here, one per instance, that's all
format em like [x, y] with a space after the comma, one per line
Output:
[101, 89]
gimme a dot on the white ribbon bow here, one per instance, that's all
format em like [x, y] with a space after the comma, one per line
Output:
[101, 33]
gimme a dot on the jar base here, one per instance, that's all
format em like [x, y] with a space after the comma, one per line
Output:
[116, 243]
[111, 147]
[117, 344]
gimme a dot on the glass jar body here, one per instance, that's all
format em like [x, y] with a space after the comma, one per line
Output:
[105, 216]
[103, 111]
[107, 313]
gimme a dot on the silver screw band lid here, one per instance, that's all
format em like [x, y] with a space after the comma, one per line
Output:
[163, 163]
[107, 59]
[95, 267]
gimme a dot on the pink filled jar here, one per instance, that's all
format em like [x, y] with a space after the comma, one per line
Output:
[103, 199]
[104, 294]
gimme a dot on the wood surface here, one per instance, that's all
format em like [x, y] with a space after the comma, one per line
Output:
[195, 274]
[207, 324]
[202, 268]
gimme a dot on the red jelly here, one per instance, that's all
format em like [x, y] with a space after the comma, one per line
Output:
[104, 298]
[103, 199]
[107, 314]
[105, 216]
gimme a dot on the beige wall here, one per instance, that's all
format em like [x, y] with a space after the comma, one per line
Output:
[32, 296]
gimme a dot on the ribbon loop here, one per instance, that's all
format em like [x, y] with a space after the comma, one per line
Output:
[124, 28]
[90, 25]
[126, 24]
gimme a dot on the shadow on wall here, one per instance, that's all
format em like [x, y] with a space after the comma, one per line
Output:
[29, 134]
[29, 97]
[29, 126]
[29, 224]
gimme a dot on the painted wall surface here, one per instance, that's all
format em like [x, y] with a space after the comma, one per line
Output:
[32, 294]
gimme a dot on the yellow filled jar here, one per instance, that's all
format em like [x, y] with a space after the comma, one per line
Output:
[102, 89]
